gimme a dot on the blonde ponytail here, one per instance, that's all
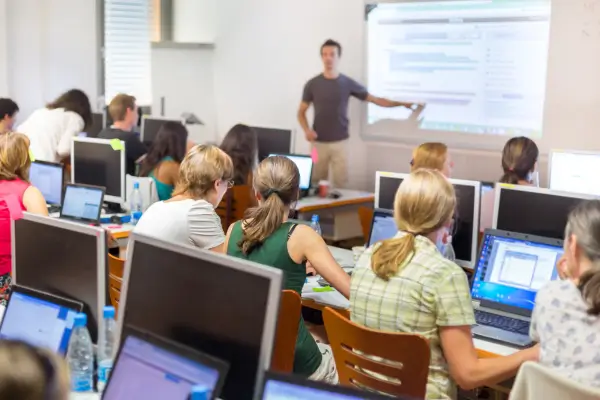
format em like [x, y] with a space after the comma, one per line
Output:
[391, 254]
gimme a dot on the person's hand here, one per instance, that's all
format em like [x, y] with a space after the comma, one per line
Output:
[311, 135]
[310, 270]
[531, 354]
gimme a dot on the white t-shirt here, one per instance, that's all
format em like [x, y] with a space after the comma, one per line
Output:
[50, 132]
[186, 222]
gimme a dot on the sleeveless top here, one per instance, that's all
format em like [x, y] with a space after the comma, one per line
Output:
[273, 253]
[163, 190]
[11, 207]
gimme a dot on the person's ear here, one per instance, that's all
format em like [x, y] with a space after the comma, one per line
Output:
[258, 195]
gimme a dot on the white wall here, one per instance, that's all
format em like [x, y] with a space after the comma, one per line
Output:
[194, 21]
[3, 51]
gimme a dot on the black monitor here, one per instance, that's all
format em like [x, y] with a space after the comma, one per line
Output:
[534, 211]
[386, 186]
[98, 124]
[100, 162]
[64, 258]
[273, 141]
[219, 305]
[151, 126]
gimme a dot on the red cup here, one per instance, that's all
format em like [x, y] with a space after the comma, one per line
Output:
[324, 188]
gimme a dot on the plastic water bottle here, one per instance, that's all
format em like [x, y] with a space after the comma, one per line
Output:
[106, 346]
[136, 203]
[80, 356]
[199, 393]
[315, 224]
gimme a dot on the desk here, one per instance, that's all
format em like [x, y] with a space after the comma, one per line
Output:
[338, 217]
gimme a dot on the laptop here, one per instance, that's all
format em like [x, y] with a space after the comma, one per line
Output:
[286, 387]
[383, 226]
[40, 319]
[305, 167]
[49, 179]
[511, 268]
[151, 367]
[82, 203]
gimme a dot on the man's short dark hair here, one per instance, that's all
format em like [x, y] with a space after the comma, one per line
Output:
[332, 43]
[7, 107]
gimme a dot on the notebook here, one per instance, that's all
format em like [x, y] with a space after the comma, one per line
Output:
[82, 203]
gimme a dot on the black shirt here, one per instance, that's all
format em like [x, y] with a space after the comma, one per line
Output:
[134, 148]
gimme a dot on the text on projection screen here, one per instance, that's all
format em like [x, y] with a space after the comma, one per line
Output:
[480, 66]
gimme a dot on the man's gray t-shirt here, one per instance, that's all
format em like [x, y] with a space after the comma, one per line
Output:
[330, 98]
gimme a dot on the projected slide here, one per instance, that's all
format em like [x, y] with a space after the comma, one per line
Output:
[575, 172]
[480, 66]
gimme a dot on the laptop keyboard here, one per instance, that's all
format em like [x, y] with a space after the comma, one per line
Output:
[53, 209]
[502, 322]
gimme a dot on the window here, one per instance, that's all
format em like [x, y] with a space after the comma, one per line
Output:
[128, 30]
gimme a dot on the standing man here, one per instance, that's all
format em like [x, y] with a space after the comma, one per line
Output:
[330, 92]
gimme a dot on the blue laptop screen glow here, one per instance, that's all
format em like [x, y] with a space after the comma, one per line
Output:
[49, 180]
[511, 271]
[383, 227]
[276, 390]
[305, 166]
[38, 322]
[146, 371]
[82, 202]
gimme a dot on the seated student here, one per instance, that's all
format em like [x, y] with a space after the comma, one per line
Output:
[519, 162]
[432, 156]
[51, 129]
[28, 372]
[189, 217]
[8, 114]
[16, 195]
[124, 113]
[566, 317]
[164, 157]
[266, 237]
[404, 284]
[241, 144]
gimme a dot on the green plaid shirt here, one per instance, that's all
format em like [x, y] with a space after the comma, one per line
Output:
[428, 292]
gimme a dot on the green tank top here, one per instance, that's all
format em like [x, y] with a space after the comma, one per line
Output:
[163, 190]
[274, 253]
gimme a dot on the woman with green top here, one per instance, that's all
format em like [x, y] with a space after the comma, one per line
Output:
[164, 157]
[266, 237]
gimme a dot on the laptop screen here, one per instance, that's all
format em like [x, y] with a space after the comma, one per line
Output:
[305, 166]
[48, 178]
[278, 390]
[383, 226]
[38, 322]
[147, 371]
[510, 271]
[82, 202]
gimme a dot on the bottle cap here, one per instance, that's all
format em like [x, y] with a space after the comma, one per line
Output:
[80, 320]
[109, 312]
[315, 217]
[199, 393]
[136, 185]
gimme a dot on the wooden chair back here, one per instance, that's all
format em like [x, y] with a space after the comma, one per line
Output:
[116, 266]
[365, 215]
[404, 358]
[290, 312]
[234, 204]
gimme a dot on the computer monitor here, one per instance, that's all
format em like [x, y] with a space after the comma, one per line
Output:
[82, 203]
[305, 167]
[535, 211]
[219, 305]
[40, 319]
[98, 124]
[273, 141]
[152, 367]
[512, 267]
[64, 258]
[386, 186]
[151, 125]
[383, 226]
[100, 162]
[49, 179]
[574, 171]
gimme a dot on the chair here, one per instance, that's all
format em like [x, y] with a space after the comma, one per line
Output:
[290, 312]
[535, 381]
[404, 358]
[234, 204]
[116, 267]
[366, 217]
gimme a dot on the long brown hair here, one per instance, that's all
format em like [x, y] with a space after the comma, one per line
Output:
[429, 155]
[424, 203]
[14, 157]
[518, 159]
[74, 100]
[241, 144]
[584, 225]
[277, 180]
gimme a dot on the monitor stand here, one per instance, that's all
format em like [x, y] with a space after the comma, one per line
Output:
[114, 208]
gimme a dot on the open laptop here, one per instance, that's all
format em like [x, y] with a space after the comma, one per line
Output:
[383, 226]
[82, 203]
[49, 179]
[511, 268]
[151, 367]
[305, 167]
[286, 387]
[39, 318]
